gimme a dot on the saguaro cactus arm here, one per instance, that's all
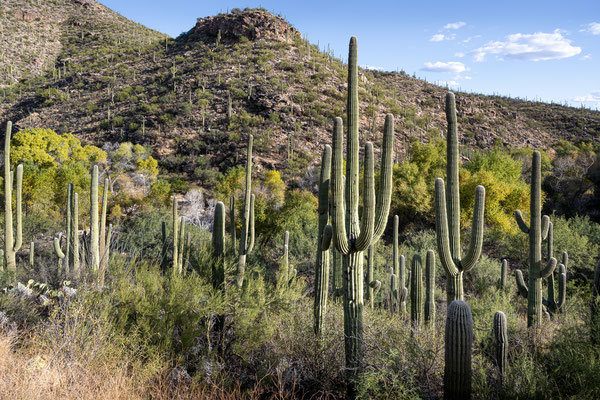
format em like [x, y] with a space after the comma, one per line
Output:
[550, 267]
[57, 248]
[338, 218]
[521, 286]
[522, 224]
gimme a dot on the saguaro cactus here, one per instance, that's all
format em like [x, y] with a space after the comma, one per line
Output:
[99, 259]
[503, 274]
[31, 254]
[373, 285]
[447, 213]
[175, 237]
[399, 265]
[63, 264]
[351, 236]
[75, 235]
[501, 338]
[537, 231]
[416, 291]
[232, 223]
[430, 288]
[393, 293]
[337, 274]
[458, 343]
[246, 244]
[552, 304]
[218, 242]
[12, 240]
[322, 263]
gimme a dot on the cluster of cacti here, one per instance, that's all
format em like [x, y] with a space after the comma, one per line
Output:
[501, 339]
[399, 265]
[246, 244]
[458, 343]
[447, 212]
[99, 246]
[537, 231]
[352, 236]
[322, 263]
[12, 240]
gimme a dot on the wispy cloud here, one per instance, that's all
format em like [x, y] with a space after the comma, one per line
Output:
[371, 67]
[593, 28]
[467, 40]
[439, 66]
[538, 46]
[593, 97]
[459, 55]
[438, 37]
[586, 57]
[455, 25]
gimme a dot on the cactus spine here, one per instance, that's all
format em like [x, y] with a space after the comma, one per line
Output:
[246, 244]
[430, 288]
[322, 263]
[537, 231]
[416, 291]
[12, 244]
[447, 212]
[501, 338]
[218, 243]
[399, 264]
[351, 236]
[458, 343]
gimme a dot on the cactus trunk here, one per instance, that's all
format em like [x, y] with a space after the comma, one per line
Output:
[399, 265]
[416, 291]
[501, 338]
[430, 288]
[322, 263]
[94, 228]
[458, 343]
[246, 243]
[218, 242]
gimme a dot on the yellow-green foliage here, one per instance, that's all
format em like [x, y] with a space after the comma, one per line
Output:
[506, 192]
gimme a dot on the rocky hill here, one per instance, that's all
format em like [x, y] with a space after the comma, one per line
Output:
[84, 69]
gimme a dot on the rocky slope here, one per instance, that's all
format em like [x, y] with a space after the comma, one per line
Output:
[119, 81]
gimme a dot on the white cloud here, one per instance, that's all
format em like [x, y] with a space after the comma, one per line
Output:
[447, 83]
[530, 47]
[593, 97]
[451, 66]
[371, 67]
[586, 57]
[467, 40]
[593, 28]
[438, 37]
[459, 55]
[455, 25]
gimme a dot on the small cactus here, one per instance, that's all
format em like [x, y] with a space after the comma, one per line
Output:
[458, 343]
[503, 274]
[399, 269]
[501, 339]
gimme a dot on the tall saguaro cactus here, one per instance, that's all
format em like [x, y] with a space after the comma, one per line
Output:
[12, 240]
[99, 258]
[322, 263]
[447, 213]
[458, 344]
[537, 230]
[351, 236]
[399, 265]
[246, 244]
[175, 237]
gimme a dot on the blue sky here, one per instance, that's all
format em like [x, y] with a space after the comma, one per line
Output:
[548, 50]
